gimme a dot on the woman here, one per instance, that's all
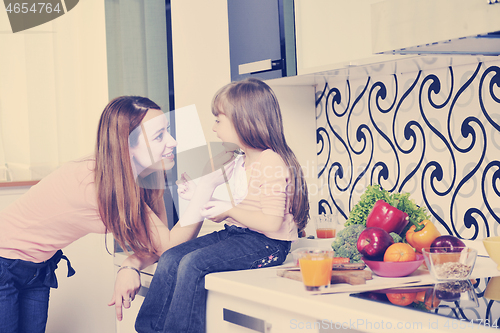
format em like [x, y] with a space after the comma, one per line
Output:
[119, 190]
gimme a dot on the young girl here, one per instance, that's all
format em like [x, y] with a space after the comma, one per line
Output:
[98, 194]
[258, 231]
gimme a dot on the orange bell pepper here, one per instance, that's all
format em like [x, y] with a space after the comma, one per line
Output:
[422, 235]
[425, 296]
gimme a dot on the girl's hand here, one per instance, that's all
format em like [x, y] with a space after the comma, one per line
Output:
[127, 285]
[216, 210]
[218, 176]
[186, 187]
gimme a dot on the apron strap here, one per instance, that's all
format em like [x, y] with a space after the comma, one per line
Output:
[50, 279]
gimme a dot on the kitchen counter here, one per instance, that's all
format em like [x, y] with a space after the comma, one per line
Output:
[284, 305]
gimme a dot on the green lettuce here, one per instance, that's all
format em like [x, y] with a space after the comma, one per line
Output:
[401, 201]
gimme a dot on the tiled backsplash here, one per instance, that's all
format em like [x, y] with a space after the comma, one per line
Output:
[432, 132]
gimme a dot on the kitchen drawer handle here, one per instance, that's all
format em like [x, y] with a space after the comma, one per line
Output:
[260, 66]
[249, 322]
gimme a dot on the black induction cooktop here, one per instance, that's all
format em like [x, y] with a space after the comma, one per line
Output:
[471, 302]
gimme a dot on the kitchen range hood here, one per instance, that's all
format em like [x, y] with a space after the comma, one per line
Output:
[456, 27]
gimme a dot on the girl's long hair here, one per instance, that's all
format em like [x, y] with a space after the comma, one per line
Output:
[122, 202]
[255, 113]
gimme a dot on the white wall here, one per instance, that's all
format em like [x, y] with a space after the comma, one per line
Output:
[60, 68]
[200, 55]
[53, 87]
[80, 302]
[9, 194]
[299, 121]
[201, 61]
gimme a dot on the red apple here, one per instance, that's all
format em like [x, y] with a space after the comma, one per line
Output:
[373, 241]
[447, 243]
[447, 295]
[376, 296]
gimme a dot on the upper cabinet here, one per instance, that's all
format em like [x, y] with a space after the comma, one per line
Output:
[350, 36]
[333, 33]
[458, 27]
[261, 38]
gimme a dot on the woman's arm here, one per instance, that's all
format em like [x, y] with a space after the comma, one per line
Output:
[200, 197]
[163, 238]
[128, 281]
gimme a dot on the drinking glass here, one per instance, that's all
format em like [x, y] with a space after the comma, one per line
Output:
[325, 225]
[316, 268]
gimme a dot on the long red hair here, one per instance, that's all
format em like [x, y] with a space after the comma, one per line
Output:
[121, 200]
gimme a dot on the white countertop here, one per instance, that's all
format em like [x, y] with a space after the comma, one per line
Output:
[265, 287]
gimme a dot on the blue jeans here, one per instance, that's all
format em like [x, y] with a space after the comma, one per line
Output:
[176, 300]
[24, 293]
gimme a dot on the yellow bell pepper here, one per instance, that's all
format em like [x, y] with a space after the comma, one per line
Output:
[422, 235]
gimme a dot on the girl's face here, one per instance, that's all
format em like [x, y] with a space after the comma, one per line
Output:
[225, 130]
[154, 149]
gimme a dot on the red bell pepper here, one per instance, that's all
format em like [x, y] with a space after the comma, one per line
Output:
[387, 217]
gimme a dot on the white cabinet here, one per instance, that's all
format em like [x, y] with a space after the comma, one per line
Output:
[333, 32]
[231, 313]
[458, 27]
[260, 301]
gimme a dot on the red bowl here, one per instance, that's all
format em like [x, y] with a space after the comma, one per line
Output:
[394, 269]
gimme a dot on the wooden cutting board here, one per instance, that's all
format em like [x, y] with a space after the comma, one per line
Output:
[350, 276]
[349, 266]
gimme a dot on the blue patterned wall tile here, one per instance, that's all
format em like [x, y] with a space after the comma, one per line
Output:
[432, 133]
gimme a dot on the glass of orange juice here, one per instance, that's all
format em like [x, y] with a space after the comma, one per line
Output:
[325, 225]
[316, 268]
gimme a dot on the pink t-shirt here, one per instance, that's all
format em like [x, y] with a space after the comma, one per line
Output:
[58, 210]
[268, 191]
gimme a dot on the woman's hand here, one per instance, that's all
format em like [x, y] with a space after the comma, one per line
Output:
[186, 187]
[216, 210]
[127, 285]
